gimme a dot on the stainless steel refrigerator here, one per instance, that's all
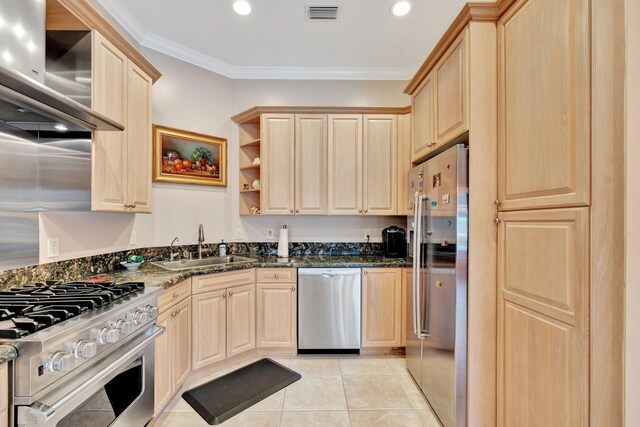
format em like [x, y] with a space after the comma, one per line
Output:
[437, 301]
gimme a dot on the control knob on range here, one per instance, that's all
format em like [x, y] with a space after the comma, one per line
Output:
[140, 317]
[124, 326]
[59, 362]
[84, 349]
[108, 335]
[152, 311]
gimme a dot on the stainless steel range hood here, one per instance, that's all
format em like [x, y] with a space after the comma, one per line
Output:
[30, 95]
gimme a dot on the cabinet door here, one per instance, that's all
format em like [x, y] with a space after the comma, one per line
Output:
[345, 164]
[209, 328]
[241, 319]
[381, 307]
[109, 149]
[277, 154]
[452, 81]
[181, 342]
[423, 127]
[276, 323]
[163, 371]
[407, 280]
[404, 163]
[311, 164]
[380, 164]
[139, 139]
[543, 300]
[544, 104]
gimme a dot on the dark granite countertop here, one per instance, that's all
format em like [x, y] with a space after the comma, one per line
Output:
[7, 353]
[155, 276]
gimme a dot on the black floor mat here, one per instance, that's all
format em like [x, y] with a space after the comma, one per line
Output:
[224, 397]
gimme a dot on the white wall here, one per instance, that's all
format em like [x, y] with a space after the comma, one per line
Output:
[632, 249]
[191, 98]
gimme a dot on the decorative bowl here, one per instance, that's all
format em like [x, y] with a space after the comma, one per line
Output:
[131, 265]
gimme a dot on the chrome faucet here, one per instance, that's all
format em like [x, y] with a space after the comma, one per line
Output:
[173, 255]
[200, 240]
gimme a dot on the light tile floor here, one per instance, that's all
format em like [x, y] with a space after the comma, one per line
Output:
[334, 391]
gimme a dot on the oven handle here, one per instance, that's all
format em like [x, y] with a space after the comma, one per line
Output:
[40, 413]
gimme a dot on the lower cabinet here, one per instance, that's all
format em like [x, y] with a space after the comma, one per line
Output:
[172, 351]
[223, 324]
[381, 307]
[276, 323]
[4, 395]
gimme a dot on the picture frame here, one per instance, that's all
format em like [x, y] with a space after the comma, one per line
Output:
[184, 157]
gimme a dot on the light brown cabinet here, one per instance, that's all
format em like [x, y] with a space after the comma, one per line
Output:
[121, 160]
[223, 316]
[4, 396]
[440, 104]
[380, 164]
[241, 319]
[381, 307]
[276, 321]
[404, 163]
[311, 164]
[278, 164]
[452, 80]
[345, 164]
[423, 128]
[544, 121]
[543, 346]
[172, 349]
[363, 164]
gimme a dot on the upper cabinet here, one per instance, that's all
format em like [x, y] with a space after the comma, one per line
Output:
[121, 173]
[311, 164]
[380, 164]
[345, 164]
[543, 104]
[440, 103]
[277, 148]
[324, 164]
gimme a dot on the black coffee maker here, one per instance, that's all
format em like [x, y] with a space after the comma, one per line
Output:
[394, 242]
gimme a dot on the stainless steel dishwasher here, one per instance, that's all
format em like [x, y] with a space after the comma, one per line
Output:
[328, 309]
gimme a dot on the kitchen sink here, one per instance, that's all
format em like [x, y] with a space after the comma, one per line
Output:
[186, 264]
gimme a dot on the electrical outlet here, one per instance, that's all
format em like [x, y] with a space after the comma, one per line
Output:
[367, 233]
[270, 233]
[239, 234]
[132, 238]
[53, 247]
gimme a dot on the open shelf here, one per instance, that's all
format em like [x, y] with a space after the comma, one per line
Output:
[251, 190]
[253, 144]
[250, 167]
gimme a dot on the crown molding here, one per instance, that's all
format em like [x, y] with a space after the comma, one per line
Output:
[123, 16]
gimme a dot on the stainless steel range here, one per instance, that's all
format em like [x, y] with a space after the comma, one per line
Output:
[85, 353]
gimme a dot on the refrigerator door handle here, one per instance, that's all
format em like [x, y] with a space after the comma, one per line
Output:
[416, 265]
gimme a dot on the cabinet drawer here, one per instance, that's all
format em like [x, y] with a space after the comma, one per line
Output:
[223, 280]
[174, 294]
[276, 275]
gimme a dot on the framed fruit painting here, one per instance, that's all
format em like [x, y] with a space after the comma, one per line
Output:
[184, 157]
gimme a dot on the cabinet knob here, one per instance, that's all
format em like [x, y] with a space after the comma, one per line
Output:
[498, 220]
[291, 210]
[365, 272]
[497, 202]
[360, 211]
[133, 205]
[230, 293]
[175, 295]
[293, 288]
[297, 210]
[275, 275]
[224, 295]
[438, 284]
[366, 210]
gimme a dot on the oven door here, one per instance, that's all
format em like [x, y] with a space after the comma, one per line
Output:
[117, 391]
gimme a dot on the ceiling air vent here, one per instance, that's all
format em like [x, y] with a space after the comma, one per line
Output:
[322, 13]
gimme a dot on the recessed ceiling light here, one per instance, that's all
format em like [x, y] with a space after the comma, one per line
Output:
[401, 8]
[60, 127]
[242, 7]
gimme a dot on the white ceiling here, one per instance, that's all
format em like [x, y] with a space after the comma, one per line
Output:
[276, 41]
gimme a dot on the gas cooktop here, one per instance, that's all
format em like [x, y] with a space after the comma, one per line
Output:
[26, 310]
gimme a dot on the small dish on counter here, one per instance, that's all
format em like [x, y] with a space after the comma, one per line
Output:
[131, 266]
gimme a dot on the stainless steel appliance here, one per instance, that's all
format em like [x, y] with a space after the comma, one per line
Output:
[328, 309]
[85, 353]
[437, 303]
